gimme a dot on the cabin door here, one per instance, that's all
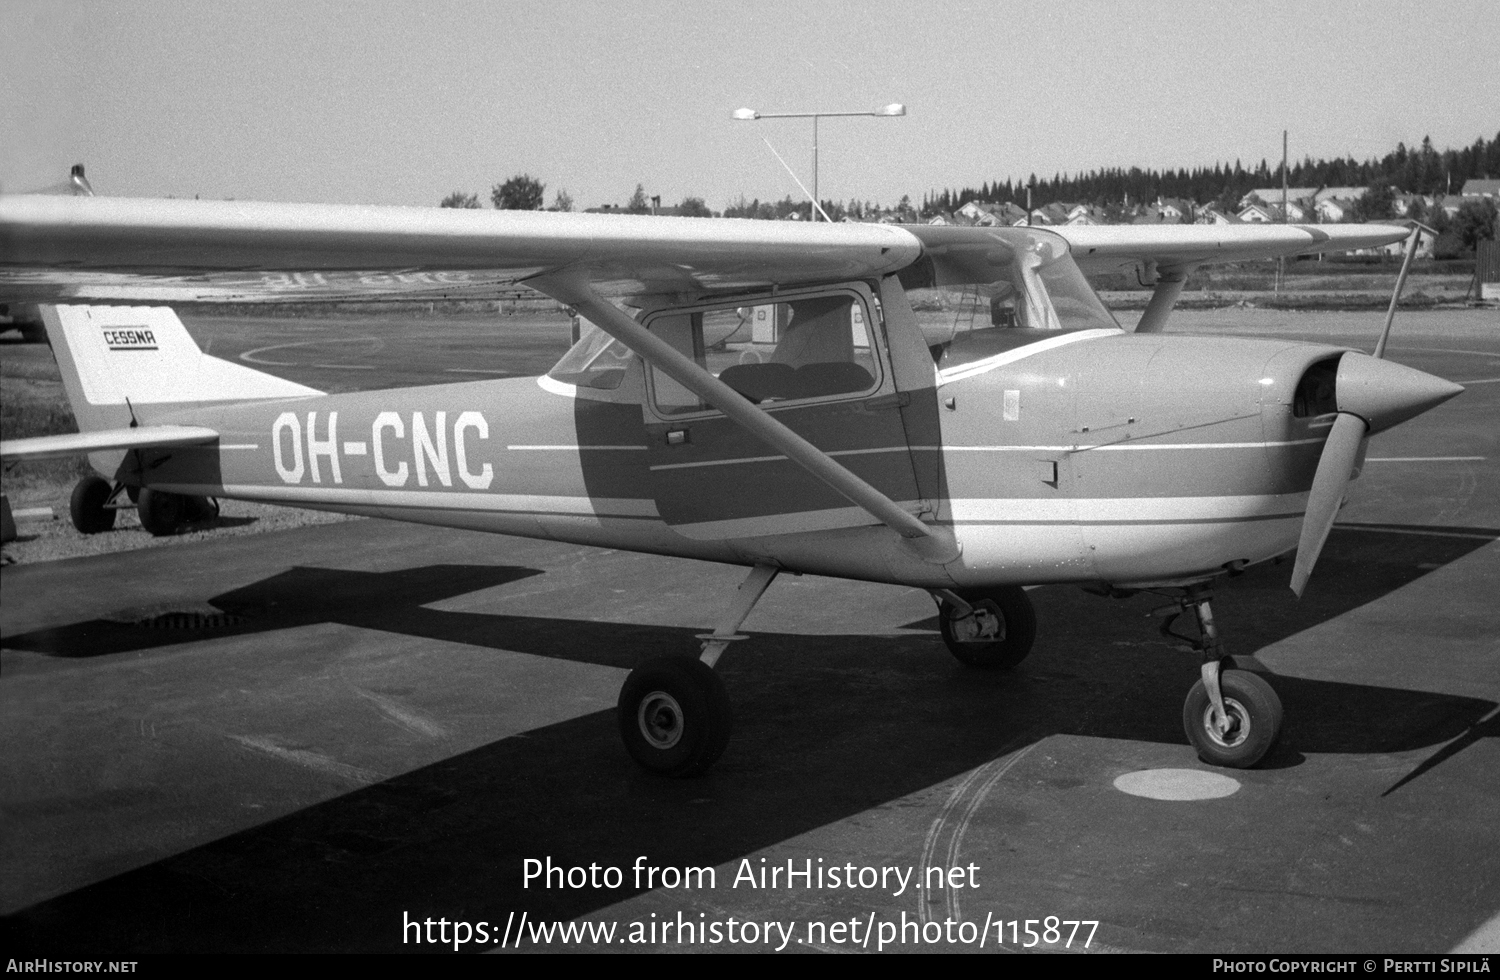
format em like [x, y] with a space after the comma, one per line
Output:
[815, 361]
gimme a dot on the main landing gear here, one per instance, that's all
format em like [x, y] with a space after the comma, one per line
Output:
[992, 629]
[95, 502]
[1232, 717]
[674, 713]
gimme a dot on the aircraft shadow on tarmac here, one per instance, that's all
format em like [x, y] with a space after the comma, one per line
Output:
[827, 728]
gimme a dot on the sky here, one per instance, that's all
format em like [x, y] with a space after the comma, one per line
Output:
[381, 102]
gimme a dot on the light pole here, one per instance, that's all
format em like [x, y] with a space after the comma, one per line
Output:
[749, 115]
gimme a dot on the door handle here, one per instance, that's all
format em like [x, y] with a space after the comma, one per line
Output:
[884, 403]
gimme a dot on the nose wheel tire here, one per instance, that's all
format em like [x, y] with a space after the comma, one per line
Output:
[1254, 720]
[999, 632]
[675, 716]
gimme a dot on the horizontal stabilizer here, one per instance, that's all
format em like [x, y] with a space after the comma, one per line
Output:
[140, 437]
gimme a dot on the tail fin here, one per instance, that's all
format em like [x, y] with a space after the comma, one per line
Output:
[117, 361]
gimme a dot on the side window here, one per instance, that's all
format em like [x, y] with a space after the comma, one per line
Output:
[816, 347]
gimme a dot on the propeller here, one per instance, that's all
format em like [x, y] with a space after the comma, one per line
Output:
[1335, 469]
[1371, 395]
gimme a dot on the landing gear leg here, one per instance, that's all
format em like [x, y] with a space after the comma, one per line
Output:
[674, 713]
[1232, 717]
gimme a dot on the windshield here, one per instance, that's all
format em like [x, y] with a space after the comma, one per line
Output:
[1039, 293]
[596, 361]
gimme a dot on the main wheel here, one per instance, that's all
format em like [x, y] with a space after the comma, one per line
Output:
[87, 506]
[675, 716]
[161, 513]
[1254, 713]
[1000, 633]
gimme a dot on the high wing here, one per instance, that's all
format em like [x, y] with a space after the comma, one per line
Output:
[92, 249]
[60, 249]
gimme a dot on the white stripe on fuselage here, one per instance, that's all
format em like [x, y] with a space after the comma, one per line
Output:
[987, 364]
[1125, 510]
[1028, 511]
[1073, 448]
[510, 503]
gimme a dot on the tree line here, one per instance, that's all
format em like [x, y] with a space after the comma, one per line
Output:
[1419, 170]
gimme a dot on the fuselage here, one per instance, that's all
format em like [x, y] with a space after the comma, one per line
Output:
[1091, 456]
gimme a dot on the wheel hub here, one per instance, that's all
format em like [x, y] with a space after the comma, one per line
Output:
[983, 625]
[1236, 729]
[660, 719]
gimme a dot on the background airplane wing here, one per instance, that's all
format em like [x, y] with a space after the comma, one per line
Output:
[1109, 248]
[65, 249]
[138, 437]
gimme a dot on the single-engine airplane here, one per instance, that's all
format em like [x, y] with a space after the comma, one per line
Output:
[762, 395]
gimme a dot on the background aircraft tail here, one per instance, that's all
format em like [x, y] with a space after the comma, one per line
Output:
[127, 364]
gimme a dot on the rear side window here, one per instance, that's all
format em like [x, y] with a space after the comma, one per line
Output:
[801, 349]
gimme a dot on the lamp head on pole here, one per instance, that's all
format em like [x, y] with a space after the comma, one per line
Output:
[748, 114]
[894, 109]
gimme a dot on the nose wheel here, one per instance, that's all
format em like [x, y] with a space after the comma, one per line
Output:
[1250, 724]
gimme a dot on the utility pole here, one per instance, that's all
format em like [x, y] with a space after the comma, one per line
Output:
[1286, 213]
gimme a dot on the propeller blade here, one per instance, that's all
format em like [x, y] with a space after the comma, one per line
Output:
[1335, 467]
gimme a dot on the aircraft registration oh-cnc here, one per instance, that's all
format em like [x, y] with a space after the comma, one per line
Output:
[763, 397]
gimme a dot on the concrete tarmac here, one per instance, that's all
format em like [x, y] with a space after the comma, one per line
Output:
[319, 739]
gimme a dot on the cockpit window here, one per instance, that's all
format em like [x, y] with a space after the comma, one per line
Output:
[1040, 293]
[596, 361]
[806, 348]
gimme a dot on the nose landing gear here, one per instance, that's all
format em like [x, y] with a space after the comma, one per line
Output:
[1231, 716]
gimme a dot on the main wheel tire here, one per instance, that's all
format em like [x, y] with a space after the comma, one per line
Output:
[1254, 713]
[161, 512]
[675, 716]
[196, 509]
[1006, 613]
[87, 506]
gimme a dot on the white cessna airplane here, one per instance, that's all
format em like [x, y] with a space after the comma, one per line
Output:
[756, 393]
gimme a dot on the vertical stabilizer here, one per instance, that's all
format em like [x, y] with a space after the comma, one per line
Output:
[124, 364]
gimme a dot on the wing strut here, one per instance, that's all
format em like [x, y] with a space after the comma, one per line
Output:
[759, 423]
[1169, 283]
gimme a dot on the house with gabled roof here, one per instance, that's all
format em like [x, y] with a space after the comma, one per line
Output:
[1343, 193]
[1426, 236]
[1404, 203]
[1335, 209]
[1272, 195]
[1086, 214]
[1051, 214]
[1481, 187]
[1174, 209]
[990, 215]
[1211, 215]
[1271, 213]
